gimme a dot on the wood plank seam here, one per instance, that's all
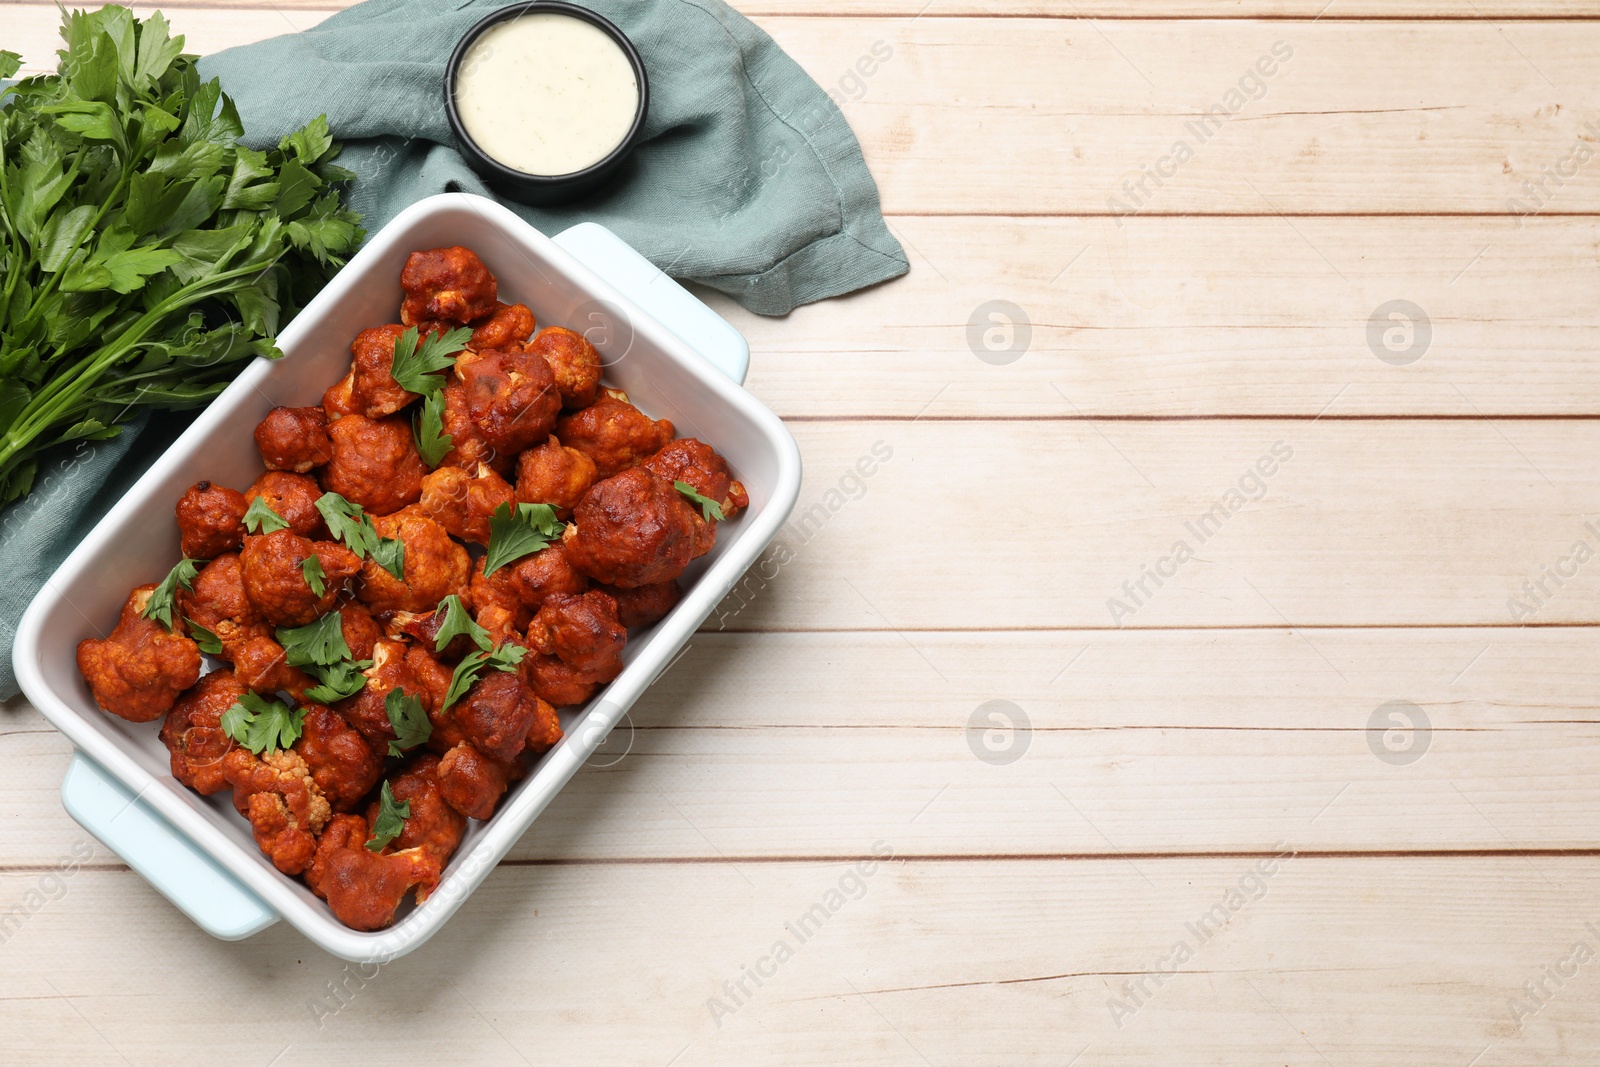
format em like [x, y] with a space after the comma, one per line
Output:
[1180, 856]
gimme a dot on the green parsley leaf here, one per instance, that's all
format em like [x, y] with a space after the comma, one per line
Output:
[262, 519]
[263, 725]
[336, 681]
[433, 444]
[209, 642]
[504, 658]
[314, 574]
[391, 820]
[709, 509]
[413, 366]
[513, 535]
[390, 554]
[466, 673]
[348, 523]
[456, 622]
[165, 595]
[409, 719]
[507, 657]
[320, 642]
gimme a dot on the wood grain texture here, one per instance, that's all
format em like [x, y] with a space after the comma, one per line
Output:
[1052, 116]
[1047, 116]
[1007, 525]
[944, 963]
[778, 745]
[1198, 317]
[837, 699]
[1110, 10]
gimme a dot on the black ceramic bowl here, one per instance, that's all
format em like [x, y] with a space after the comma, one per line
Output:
[542, 189]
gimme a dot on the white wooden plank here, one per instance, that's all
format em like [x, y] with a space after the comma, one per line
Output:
[1041, 524]
[1193, 741]
[1364, 117]
[1053, 116]
[1361, 962]
[1199, 316]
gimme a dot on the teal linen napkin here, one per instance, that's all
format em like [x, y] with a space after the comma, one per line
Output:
[748, 178]
[748, 181]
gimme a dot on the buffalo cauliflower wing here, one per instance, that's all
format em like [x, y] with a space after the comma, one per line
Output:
[506, 327]
[342, 763]
[573, 361]
[294, 439]
[463, 501]
[193, 733]
[210, 520]
[471, 782]
[583, 632]
[218, 602]
[261, 664]
[366, 711]
[286, 809]
[613, 433]
[645, 605]
[552, 473]
[699, 466]
[632, 529]
[369, 387]
[294, 498]
[435, 566]
[363, 888]
[137, 672]
[375, 463]
[433, 825]
[274, 570]
[511, 397]
[446, 284]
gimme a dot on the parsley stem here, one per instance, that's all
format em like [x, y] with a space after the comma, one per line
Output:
[37, 305]
[59, 396]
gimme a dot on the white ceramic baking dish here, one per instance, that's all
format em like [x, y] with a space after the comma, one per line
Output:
[674, 357]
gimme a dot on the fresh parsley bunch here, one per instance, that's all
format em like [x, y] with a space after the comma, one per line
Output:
[144, 252]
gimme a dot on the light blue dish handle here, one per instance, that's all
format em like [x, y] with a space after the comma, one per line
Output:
[200, 888]
[665, 300]
[168, 860]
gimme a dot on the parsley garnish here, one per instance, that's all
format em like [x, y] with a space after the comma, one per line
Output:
[165, 595]
[513, 535]
[263, 725]
[504, 658]
[337, 681]
[433, 444]
[348, 523]
[311, 569]
[391, 820]
[390, 554]
[262, 519]
[709, 509]
[209, 642]
[413, 366]
[320, 643]
[456, 622]
[409, 719]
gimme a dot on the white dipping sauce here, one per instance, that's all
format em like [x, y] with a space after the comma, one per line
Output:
[546, 93]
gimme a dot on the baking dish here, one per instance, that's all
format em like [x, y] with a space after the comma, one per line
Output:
[674, 357]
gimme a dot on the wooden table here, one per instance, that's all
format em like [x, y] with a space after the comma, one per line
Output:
[1241, 493]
